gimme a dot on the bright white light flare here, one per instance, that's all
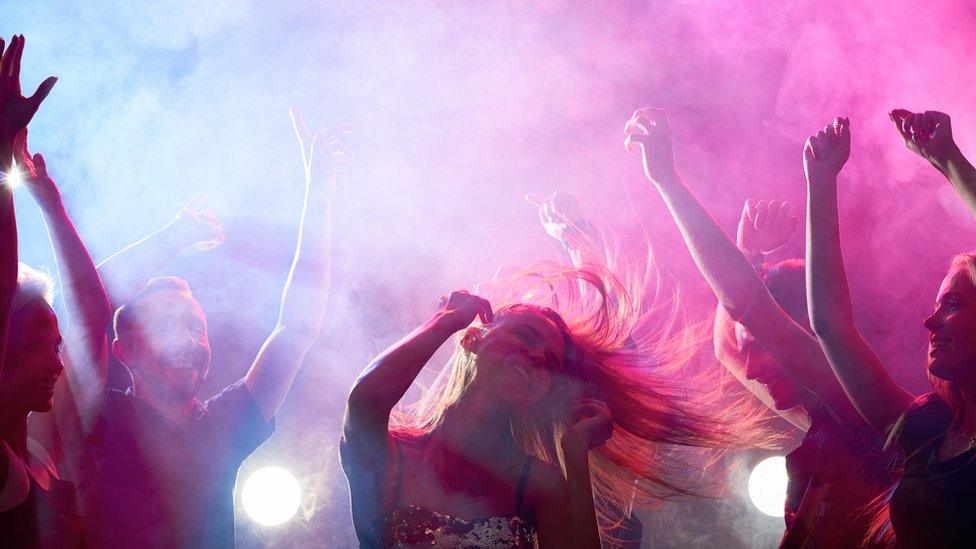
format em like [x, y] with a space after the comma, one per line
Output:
[271, 496]
[767, 486]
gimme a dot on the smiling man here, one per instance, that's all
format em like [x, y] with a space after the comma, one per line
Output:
[158, 465]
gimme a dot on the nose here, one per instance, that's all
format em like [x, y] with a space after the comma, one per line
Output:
[933, 322]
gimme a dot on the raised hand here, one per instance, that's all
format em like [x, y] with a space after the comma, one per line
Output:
[321, 150]
[460, 308]
[650, 129]
[592, 424]
[826, 153]
[562, 217]
[199, 226]
[16, 111]
[765, 226]
[41, 186]
[927, 134]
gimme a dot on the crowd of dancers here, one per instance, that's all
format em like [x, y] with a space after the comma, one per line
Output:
[569, 400]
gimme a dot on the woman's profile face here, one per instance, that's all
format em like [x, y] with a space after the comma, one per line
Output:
[32, 364]
[952, 330]
[517, 354]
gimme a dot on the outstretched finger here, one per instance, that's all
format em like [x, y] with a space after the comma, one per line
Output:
[40, 165]
[535, 200]
[194, 204]
[301, 130]
[15, 63]
[7, 58]
[42, 91]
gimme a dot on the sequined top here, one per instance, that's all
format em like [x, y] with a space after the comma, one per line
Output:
[411, 526]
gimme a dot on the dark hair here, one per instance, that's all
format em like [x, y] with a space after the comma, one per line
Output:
[787, 284]
[124, 322]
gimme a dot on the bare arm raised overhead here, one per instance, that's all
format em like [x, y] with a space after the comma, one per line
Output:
[86, 304]
[730, 274]
[872, 390]
[366, 447]
[16, 111]
[303, 300]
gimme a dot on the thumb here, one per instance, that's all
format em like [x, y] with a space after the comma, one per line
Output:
[39, 163]
[42, 91]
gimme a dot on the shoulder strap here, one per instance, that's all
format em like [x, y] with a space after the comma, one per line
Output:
[523, 481]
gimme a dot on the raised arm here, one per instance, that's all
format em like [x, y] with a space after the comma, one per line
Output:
[365, 443]
[872, 390]
[126, 271]
[16, 111]
[307, 287]
[929, 135]
[729, 273]
[88, 311]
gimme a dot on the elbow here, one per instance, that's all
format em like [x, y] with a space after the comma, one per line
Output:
[299, 334]
[830, 326]
[364, 406]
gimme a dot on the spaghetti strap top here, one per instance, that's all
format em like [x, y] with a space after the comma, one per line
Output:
[411, 526]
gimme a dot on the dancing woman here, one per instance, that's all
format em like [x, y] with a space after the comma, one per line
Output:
[932, 505]
[515, 447]
[36, 505]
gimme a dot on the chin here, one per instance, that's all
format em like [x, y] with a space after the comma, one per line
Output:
[940, 371]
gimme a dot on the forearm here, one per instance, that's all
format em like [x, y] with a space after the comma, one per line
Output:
[584, 529]
[303, 299]
[961, 175]
[85, 298]
[8, 260]
[126, 271]
[861, 374]
[727, 271]
[829, 296]
[384, 382]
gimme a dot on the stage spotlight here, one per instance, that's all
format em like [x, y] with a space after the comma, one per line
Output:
[271, 496]
[767, 486]
[13, 178]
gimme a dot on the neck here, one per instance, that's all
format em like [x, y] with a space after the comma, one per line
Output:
[474, 430]
[13, 431]
[177, 411]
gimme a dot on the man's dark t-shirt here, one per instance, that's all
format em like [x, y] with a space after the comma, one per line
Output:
[150, 483]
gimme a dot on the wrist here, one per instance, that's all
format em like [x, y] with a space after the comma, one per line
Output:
[575, 449]
[443, 323]
[946, 160]
[665, 177]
